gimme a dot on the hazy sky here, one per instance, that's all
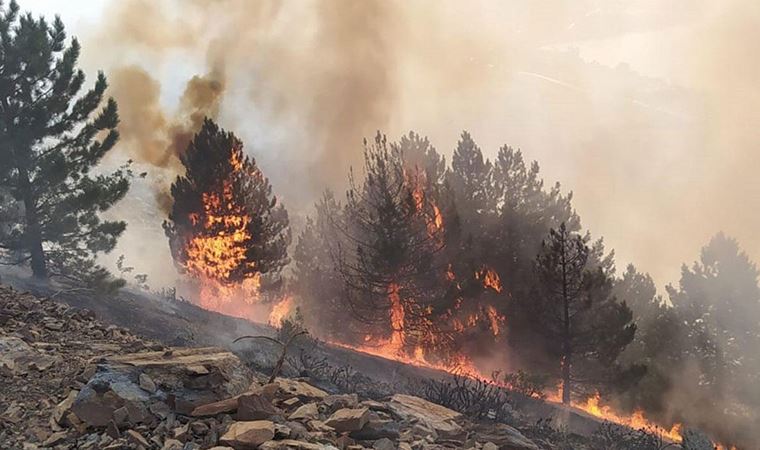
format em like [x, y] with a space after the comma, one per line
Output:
[646, 109]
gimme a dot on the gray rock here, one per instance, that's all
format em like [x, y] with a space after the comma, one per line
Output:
[146, 383]
[505, 436]
[130, 381]
[377, 429]
[384, 444]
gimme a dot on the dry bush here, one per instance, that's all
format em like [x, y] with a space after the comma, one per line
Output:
[478, 399]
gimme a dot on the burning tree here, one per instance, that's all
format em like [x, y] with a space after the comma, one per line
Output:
[397, 245]
[581, 324]
[226, 229]
[389, 261]
[52, 137]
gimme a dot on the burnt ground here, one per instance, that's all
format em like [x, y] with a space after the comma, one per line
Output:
[179, 323]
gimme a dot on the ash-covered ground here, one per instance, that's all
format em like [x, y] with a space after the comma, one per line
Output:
[134, 371]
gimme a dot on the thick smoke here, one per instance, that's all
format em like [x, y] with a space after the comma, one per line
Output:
[154, 136]
[320, 74]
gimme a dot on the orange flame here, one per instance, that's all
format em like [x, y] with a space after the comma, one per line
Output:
[281, 311]
[637, 421]
[490, 278]
[496, 319]
[397, 320]
[220, 249]
[433, 218]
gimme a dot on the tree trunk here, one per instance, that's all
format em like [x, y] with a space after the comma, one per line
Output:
[566, 380]
[566, 348]
[33, 230]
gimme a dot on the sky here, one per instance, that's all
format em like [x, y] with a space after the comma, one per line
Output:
[646, 109]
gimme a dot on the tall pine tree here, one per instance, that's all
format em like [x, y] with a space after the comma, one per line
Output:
[316, 280]
[388, 263]
[53, 135]
[583, 327]
[718, 300]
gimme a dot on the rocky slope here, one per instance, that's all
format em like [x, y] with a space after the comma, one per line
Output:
[69, 381]
[75, 374]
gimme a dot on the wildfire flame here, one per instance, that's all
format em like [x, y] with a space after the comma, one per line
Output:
[214, 253]
[433, 216]
[396, 346]
[490, 278]
[496, 319]
[637, 421]
[398, 338]
[281, 311]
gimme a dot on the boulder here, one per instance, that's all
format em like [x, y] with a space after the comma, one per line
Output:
[504, 436]
[290, 444]
[228, 405]
[106, 393]
[16, 356]
[348, 419]
[255, 407]
[248, 435]
[137, 381]
[296, 388]
[336, 402]
[308, 411]
[436, 417]
[136, 438]
[384, 444]
[177, 370]
[377, 429]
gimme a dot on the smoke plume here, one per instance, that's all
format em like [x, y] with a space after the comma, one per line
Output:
[322, 75]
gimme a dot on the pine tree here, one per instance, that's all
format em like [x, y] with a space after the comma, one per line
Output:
[584, 328]
[53, 135]
[316, 281]
[223, 190]
[470, 239]
[525, 214]
[470, 179]
[388, 263]
[718, 298]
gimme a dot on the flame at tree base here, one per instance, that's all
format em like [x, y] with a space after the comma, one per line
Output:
[593, 406]
[463, 366]
[228, 299]
[281, 311]
[243, 301]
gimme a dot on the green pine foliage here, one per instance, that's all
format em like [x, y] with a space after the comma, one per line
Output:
[53, 135]
[582, 327]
